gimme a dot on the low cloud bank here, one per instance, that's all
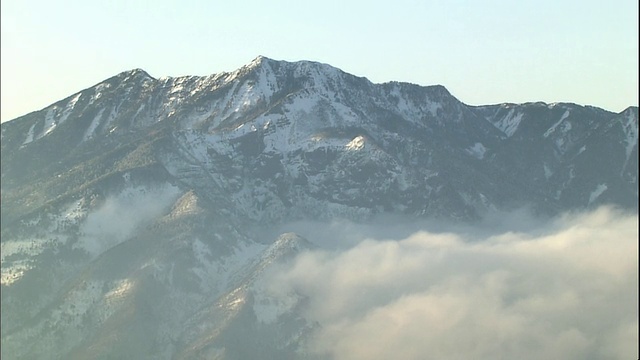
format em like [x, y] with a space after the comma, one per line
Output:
[568, 290]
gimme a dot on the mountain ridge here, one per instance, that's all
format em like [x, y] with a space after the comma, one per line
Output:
[279, 82]
[135, 212]
[262, 60]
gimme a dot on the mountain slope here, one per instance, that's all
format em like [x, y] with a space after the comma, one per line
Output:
[134, 212]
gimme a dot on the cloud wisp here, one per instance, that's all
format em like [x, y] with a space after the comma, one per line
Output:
[119, 217]
[570, 292]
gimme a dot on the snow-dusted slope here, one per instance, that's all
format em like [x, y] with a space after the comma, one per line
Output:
[134, 211]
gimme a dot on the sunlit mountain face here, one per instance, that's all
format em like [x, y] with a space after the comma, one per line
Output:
[183, 218]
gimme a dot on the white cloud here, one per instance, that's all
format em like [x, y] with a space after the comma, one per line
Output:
[118, 218]
[570, 291]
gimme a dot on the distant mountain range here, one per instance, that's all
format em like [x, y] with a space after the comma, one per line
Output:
[133, 211]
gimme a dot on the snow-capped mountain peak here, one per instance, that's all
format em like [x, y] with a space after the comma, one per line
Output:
[139, 207]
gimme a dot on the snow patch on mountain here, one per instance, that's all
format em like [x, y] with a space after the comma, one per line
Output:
[29, 135]
[267, 83]
[477, 150]
[69, 108]
[55, 117]
[401, 101]
[408, 108]
[601, 188]
[89, 133]
[582, 149]
[554, 126]
[98, 91]
[12, 271]
[356, 144]
[49, 122]
[17, 255]
[186, 205]
[509, 124]
[120, 289]
[630, 126]
[9, 274]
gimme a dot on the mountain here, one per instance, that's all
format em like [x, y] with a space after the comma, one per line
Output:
[137, 214]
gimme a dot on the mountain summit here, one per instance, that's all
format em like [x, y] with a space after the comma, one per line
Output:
[306, 133]
[139, 198]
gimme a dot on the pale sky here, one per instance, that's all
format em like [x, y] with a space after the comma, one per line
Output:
[484, 52]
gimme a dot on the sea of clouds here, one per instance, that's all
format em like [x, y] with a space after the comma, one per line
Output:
[509, 287]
